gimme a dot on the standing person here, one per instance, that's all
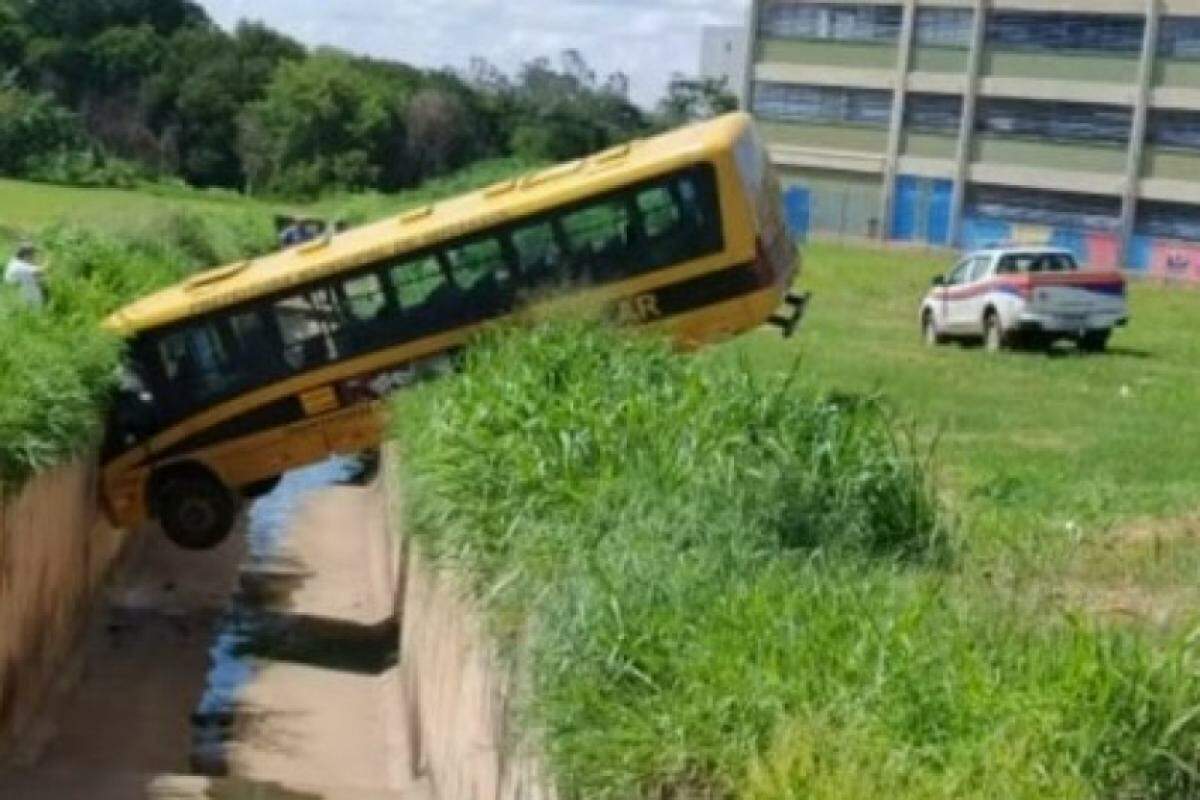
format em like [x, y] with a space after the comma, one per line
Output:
[24, 273]
[290, 235]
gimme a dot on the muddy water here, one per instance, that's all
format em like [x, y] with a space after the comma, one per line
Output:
[250, 627]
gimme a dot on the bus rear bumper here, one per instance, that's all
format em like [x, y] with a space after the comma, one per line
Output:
[788, 321]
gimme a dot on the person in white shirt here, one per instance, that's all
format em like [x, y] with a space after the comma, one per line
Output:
[28, 278]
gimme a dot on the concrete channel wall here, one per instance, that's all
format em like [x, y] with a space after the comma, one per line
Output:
[457, 696]
[55, 553]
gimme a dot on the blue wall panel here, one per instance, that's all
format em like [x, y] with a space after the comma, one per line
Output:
[797, 204]
[1073, 240]
[940, 201]
[905, 209]
[1141, 253]
[979, 233]
[921, 211]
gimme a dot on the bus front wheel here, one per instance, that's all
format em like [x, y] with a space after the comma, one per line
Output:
[195, 510]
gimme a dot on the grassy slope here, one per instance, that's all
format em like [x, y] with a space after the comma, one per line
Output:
[27, 207]
[713, 615]
[1050, 659]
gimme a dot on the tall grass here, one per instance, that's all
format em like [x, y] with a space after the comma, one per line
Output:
[735, 586]
[57, 365]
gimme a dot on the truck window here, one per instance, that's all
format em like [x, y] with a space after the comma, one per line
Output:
[981, 267]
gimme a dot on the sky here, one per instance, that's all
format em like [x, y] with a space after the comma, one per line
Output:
[647, 39]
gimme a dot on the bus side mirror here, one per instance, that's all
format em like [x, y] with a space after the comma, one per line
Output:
[939, 280]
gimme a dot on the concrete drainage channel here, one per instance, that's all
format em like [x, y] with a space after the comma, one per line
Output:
[265, 670]
[265, 585]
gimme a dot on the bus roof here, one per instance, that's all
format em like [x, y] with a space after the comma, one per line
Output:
[417, 228]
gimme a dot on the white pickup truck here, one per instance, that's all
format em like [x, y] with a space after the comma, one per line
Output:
[1011, 296]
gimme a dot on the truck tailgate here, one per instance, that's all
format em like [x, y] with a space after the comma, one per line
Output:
[1078, 297]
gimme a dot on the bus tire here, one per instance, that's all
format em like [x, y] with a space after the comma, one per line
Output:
[195, 510]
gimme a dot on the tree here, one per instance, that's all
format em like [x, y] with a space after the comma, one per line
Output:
[124, 56]
[692, 99]
[325, 123]
[33, 127]
[206, 83]
[13, 36]
[565, 113]
[437, 130]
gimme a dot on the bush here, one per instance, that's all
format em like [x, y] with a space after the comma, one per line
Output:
[85, 168]
[34, 127]
[53, 378]
[730, 585]
[57, 366]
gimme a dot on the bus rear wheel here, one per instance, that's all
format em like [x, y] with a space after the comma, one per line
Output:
[195, 510]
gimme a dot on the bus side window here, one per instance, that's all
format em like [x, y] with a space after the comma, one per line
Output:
[600, 237]
[696, 201]
[363, 298]
[659, 211]
[423, 293]
[483, 274]
[308, 324]
[539, 255]
[416, 282]
[479, 261]
[211, 360]
[365, 311]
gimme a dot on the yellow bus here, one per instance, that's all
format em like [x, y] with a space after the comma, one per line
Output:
[245, 372]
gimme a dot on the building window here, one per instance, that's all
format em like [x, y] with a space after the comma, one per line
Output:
[945, 27]
[1168, 220]
[1073, 122]
[933, 113]
[1179, 37]
[1174, 129]
[792, 103]
[1054, 32]
[794, 20]
[1092, 212]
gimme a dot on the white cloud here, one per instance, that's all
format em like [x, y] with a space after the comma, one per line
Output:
[647, 39]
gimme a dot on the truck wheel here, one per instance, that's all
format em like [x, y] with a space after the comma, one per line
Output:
[1094, 341]
[994, 338]
[195, 510]
[929, 331]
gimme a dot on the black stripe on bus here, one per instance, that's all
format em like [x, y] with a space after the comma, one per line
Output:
[707, 290]
[671, 301]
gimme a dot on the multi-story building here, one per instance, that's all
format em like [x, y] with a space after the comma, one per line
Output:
[965, 122]
[723, 56]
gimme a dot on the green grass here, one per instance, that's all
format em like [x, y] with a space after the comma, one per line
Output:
[732, 582]
[1043, 452]
[30, 207]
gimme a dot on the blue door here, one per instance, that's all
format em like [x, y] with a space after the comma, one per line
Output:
[906, 209]
[797, 204]
[941, 197]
